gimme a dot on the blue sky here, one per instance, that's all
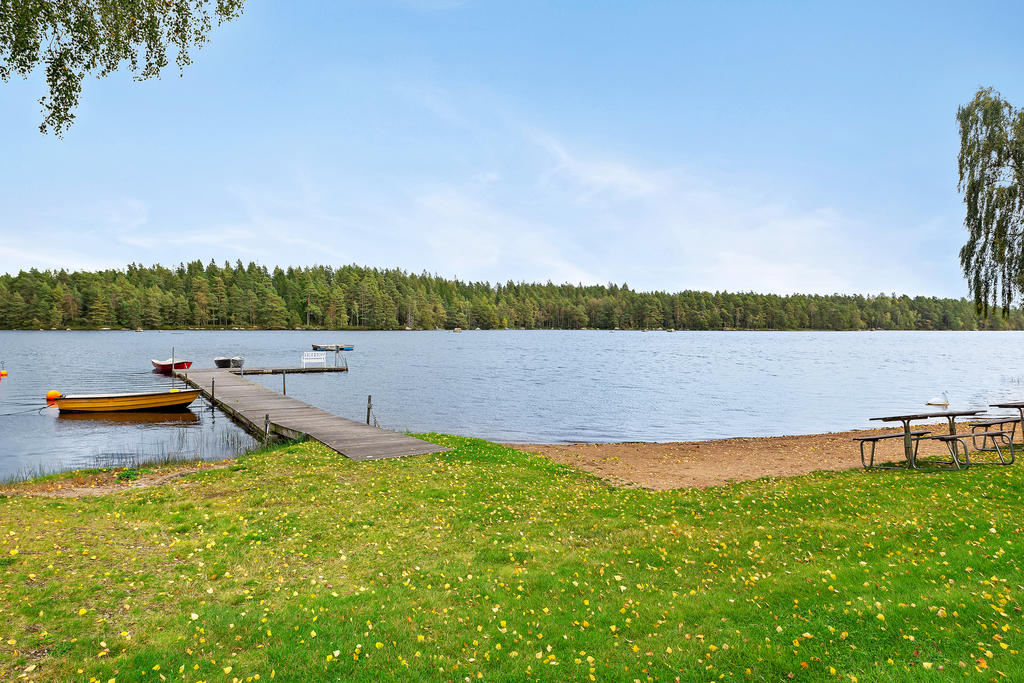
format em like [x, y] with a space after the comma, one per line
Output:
[782, 147]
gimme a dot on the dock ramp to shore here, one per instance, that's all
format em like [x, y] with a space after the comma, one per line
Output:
[250, 404]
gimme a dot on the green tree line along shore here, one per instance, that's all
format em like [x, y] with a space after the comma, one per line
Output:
[198, 295]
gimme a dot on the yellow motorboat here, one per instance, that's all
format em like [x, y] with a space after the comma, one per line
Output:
[105, 403]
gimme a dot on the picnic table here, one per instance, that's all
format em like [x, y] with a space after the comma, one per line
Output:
[1014, 405]
[1001, 422]
[909, 445]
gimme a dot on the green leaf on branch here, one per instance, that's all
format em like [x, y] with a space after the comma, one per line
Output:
[71, 39]
[991, 179]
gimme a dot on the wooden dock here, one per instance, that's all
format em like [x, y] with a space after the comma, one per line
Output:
[250, 404]
[286, 371]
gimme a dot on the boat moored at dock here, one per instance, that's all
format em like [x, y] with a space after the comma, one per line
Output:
[333, 347]
[174, 399]
[164, 366]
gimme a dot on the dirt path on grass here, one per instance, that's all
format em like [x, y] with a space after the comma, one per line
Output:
[81, 485]
[700, 464]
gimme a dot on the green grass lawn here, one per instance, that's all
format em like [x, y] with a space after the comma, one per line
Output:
[490, 563]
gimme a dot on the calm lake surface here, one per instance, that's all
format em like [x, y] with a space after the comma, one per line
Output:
[507, 385]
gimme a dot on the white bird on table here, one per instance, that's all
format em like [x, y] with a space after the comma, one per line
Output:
[943, 401]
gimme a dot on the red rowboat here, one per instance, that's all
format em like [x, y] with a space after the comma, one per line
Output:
[164, 366]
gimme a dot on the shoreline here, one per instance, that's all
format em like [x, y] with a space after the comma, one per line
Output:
[703, 464]
[656, 466]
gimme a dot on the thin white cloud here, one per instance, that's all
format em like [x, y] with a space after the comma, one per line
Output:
[434, 100]
[669, 229]
[591, 220]
[264, 224]
[520, 202]
[115, 213]
[15, 257]
[596, 177]
[470, 236]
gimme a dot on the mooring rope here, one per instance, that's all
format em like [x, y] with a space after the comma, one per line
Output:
[24, 412]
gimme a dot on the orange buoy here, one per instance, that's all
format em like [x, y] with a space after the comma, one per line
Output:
[3, 373]
[52, 396]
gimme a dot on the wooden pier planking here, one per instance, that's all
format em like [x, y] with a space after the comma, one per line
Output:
[249, 403]
[286, 371]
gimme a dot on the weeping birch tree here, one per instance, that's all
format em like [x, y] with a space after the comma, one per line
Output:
[991, 170]
[72, 39]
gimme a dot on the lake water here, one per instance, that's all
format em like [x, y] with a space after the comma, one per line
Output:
[507, 385]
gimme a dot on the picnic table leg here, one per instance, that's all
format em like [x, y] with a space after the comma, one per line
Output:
[1013, 429]
[967, 458]
[908, 445]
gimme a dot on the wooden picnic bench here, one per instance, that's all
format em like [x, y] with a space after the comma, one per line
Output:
[986, 425]
[869, 463]
[1014, 405]
[911, 442]
[952, 440]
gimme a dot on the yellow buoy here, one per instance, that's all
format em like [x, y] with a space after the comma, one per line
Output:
[3, 373]
[53, 395]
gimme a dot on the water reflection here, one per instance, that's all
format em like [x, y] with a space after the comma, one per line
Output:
[134, 418]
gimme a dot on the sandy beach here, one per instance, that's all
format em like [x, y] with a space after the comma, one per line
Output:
[701, 464]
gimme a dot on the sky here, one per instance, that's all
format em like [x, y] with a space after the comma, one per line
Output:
[745, 146]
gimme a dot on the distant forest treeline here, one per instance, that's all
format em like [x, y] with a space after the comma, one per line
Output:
[197, 295]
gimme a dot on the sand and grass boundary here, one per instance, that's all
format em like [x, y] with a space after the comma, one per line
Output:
[702, 464]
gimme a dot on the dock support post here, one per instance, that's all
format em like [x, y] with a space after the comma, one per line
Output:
[213, 392]
[369, 405]
[284, 385]
[266, 427]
